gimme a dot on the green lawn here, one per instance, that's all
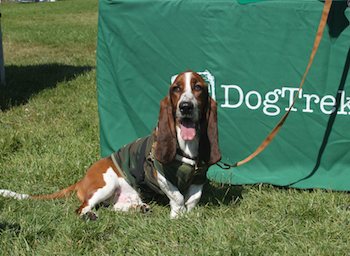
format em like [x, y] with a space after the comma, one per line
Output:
[49, 136]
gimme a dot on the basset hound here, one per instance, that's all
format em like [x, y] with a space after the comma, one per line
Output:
[172, 161]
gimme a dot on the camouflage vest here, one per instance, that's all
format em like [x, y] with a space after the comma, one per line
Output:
[138, 166]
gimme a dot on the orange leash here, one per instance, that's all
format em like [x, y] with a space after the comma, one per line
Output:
[275, 130]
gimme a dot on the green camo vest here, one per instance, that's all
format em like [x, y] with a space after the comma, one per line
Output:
[139, 167]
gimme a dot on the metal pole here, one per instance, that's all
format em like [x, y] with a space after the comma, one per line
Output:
[2, 64]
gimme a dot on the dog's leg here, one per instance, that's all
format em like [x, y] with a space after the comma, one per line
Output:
[193, 196]
[127, 198]
[177, 201]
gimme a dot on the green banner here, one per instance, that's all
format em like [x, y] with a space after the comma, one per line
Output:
[253, 56]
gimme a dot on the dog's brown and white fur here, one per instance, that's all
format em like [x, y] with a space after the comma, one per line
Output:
[187, 123]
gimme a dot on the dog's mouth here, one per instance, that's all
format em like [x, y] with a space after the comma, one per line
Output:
[187, 129]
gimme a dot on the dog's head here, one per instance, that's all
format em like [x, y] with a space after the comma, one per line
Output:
[188, 107]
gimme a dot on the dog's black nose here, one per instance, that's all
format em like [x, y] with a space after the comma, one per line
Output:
[186, 107]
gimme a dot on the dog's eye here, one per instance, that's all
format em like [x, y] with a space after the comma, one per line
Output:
[176, 89]
[197, 87]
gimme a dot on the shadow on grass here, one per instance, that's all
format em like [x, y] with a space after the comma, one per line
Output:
[4, 226]
[213, 194]
[216, 194]
[23, 82]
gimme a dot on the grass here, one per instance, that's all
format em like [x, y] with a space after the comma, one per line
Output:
[49, 136]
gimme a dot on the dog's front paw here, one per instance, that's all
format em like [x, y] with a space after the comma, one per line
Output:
[177, 212]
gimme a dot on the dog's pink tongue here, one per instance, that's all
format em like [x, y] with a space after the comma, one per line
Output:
[188, 130]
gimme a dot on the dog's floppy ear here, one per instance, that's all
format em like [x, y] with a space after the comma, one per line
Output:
[209, 142]
[166, 137]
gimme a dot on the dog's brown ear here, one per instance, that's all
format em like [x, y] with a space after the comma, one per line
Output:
[166, 136]
[209, 143]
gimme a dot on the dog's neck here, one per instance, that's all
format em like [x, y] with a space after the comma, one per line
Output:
[189, 148]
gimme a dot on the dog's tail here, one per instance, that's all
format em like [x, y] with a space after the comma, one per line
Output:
[9, 193]
[59, 194]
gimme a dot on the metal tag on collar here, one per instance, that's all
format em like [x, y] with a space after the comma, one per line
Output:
[186, 160]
